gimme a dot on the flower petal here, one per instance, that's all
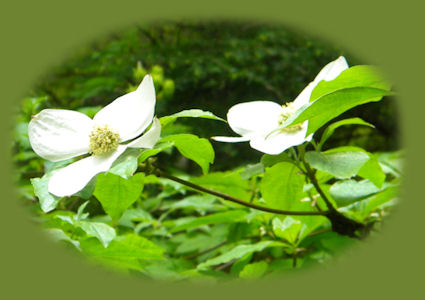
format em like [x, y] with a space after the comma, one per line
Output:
[328, 73]
[280, 141]
[230, 139]
[132, 113]
[253, 118]
[149, 139]
[58, 134]
[332, 70]
[74, 177]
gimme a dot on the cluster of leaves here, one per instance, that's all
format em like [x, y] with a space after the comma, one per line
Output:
[137, 220]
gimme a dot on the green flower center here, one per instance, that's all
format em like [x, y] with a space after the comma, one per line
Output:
[288, 110]
[103, 140]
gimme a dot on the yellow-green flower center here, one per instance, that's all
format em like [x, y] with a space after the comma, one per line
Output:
[287, 111]
[103, 140]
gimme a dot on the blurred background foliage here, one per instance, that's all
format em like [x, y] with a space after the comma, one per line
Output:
[210, 66]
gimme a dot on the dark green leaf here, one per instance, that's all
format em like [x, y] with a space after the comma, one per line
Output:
[341, 164]
[349, 191]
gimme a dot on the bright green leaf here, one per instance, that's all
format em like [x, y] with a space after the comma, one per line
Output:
[103, 232]
[226, 182]
[331, 128]
[116, 194]
[372, 170]
[197, 149]
[289, 229]
[48, 202]
[282, 185]
[238, 252]
[159, 147]
[254, 270]
[126, 164]
[190, 113]
[124, 252]
[355, 86]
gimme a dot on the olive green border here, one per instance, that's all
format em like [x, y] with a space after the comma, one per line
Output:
[38, 35]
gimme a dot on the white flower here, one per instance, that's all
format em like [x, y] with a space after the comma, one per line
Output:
[255, 120]
[59, 134]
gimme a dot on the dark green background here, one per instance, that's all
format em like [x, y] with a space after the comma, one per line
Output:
[39, 35]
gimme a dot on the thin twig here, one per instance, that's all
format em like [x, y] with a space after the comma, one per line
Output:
[236, 200]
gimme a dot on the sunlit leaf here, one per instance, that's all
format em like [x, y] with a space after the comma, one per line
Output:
[197, 149]
[116, 194]
[190, 113]
[282, 185]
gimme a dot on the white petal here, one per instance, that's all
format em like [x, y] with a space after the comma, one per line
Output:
[149, 139]
[332, 70]
[132, 113]
[58, 134]
[253, 118]
[328, 73]
[230, 139]
[280, 141]
[74, 177]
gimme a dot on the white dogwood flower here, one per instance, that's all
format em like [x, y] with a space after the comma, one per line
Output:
[59, 134]
[255, 120]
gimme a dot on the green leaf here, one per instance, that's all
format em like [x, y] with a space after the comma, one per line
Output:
[252, 170]
[226, 182]
[116, 194]
[238, 252]
[269, 160]
[254, 270]
[282, 185]
[48, 202]
[190, 113]
[341, 164]
[216, 218]
[354, 77]
[289, 229]
[389, 194]
[349, 191]
[197, 149]
[355, 86]
[372, 170]
[331, 128]
[103, 232]
[126, 164]
[124, 252]
[159, 147]
[391, 162]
